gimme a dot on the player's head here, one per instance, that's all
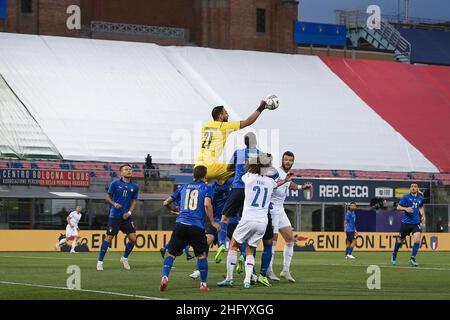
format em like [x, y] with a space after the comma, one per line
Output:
[352, 206]
[264, 160]
[199, 173]
[250, 140]
[78, 209]
[287, 161]
[126, 171]
[414, 188]
[219, 113]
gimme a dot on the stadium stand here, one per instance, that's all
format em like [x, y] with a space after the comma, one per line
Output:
[430, 47]
[183, 173]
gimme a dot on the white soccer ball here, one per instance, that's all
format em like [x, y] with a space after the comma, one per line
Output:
[272, 102]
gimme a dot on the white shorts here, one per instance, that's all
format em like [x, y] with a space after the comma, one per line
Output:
[250, 231]
[71, 232]
[280, 219]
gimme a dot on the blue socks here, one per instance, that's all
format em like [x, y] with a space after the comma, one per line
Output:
[396, 248]
[254, 269]
[222, 233]
[166, 246]
[167, 266]
[350, 250]
[243, 246]
[415, 250]
[128, 248]
[265, 259]
[202, 266]
[103, 250]
[186, 251]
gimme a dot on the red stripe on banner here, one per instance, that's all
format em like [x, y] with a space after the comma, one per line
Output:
[415, 100]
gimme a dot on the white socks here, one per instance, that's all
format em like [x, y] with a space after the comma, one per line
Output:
[249, 264]
[287, 256]
[231, 263]
[74, 244]
[64, 240]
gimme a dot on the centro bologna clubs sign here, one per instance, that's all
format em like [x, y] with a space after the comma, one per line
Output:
[329, 190]
[48, 178]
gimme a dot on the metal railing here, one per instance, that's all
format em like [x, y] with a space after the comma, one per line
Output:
[136, 29]
[353, 19]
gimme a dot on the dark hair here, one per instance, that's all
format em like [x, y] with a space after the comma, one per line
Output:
[199, 173]
[289, 154]
[262, 161]
[250, 139]
[414, 183]
[125, 165]
[217, 111]
[353, 202]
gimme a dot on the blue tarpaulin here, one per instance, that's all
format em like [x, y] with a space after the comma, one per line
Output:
[432, 47]
[2, 9]
[320, 33]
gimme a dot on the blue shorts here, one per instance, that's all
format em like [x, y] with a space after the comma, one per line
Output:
[126, 226]
[184, 235]
[213, 231]
[407, 229]
[235, 203]
[350, 236]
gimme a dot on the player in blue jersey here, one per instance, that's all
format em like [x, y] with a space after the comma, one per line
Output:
[221, 193]
[195, 200]
[414, 215]
[350, 230]
[164, 249]
[235, 202]
[122, 196]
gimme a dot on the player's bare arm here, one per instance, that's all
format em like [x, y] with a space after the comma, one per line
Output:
[295, 186]
[111, 202]
[130, 211]
[402, 208]
[168, 204]
[209, 213]
[288, 178]
[422, 215]
[254, 116]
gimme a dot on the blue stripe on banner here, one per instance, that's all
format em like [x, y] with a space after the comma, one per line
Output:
[2, 9]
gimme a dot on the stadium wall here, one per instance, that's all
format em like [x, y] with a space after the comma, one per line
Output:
[152, 241]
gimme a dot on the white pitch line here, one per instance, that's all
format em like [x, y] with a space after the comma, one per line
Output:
[46, 258]
[82, 290]
[381, 265]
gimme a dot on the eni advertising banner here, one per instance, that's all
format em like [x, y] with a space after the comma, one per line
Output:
[45, 240]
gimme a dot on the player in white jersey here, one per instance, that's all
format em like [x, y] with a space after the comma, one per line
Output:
[71, 229]
[254, 220]
[280, 220]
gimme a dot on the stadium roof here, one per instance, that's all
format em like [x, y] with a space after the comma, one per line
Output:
[119, 101]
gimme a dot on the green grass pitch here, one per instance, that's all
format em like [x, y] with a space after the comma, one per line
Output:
[319, 275]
